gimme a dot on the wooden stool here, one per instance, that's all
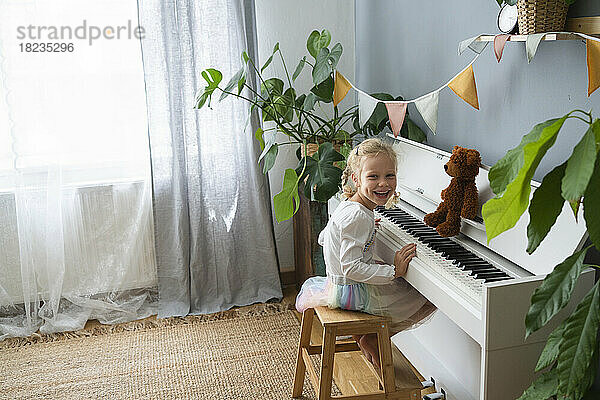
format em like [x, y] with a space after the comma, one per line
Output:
[338, 322]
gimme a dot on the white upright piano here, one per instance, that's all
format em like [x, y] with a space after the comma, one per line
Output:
[474, 345]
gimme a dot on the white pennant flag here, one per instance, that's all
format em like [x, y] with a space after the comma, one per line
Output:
[531, 44]
[428, 107]
[366, 105]
[473, 44]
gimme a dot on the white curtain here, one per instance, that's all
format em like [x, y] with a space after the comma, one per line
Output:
[76, 234]
[214, 236]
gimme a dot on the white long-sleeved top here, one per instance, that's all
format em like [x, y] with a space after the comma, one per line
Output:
[347, 246]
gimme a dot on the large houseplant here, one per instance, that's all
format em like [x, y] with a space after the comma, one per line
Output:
[302, 119]
[570, 357]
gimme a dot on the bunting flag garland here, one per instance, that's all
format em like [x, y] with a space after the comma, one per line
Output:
[366, 105]
[532, 42]
[593, 61]
[499, 42]
[464, 86]
[341, 88]
[428, 107]
[396, 113]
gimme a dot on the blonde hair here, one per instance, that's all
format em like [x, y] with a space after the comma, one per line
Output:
[368, 148]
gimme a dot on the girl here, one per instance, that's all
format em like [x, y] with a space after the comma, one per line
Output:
[354, 281]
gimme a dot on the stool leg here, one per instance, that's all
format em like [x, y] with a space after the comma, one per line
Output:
[385, 359]
[305, 331]
[327, 356]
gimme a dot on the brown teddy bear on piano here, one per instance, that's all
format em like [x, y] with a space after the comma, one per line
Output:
[460, 197]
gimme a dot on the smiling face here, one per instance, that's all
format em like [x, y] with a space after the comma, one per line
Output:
[376, 182]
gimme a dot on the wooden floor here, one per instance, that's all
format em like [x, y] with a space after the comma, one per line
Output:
[353, 374]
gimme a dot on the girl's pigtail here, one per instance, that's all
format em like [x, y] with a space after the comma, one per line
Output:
[347, 184]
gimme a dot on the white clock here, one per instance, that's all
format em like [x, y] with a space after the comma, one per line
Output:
[507, 19]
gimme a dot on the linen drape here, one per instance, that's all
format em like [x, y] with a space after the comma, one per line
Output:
[214, 236]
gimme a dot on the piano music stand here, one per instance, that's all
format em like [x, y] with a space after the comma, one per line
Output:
[338, 322]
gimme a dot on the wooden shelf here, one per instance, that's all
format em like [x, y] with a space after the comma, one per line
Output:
[587, 25]
[522, 38]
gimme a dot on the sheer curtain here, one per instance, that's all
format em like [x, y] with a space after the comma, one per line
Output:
[214, 237]
[76, 239]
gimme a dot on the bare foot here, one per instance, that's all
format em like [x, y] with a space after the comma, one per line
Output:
[368, 343]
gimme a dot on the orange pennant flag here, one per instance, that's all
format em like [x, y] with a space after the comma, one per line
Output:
[464, 87]
[593, 64]
[340, 90]
[396, 113]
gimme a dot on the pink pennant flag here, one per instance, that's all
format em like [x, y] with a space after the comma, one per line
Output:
[396, 113]
[499, 42]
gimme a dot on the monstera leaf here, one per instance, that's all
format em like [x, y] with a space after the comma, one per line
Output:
[323, 179]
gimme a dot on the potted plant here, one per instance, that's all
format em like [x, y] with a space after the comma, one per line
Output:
[538, 16]
[294, 115]
[570, 357]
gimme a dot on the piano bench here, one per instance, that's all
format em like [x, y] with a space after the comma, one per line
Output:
[397, 378]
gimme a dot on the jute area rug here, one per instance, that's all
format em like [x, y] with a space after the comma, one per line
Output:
[248, 354]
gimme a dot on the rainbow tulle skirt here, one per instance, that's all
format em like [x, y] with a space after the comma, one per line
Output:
[398, 300]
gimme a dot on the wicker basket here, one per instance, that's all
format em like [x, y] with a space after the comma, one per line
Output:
[538, 16]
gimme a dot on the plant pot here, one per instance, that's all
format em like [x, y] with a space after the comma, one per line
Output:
[538, 16]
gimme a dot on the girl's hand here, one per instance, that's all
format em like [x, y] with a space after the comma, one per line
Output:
[377, 220]
[402, 259]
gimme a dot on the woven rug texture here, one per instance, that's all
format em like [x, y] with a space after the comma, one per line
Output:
[229, 357]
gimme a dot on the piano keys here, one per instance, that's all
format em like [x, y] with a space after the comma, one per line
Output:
[474, 345]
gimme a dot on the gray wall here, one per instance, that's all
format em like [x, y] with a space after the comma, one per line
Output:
[410, 48]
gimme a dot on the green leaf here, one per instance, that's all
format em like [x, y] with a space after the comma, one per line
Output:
[233, 82]
[299, 68]
[270, 158]
[554, 292]
[259, 136]
[309, 102]
[276, 47]
[542, 388]
[546, 205]
[575, 207]
[596, 128]
[334, 56]
[323, 178]
[316, 41]
[322, 69]
[501, 214]
[591, 210]
[580, 167]
[578, 345]
[266, 64]
[414, 132]
[245, 57]
[287, 202]
[213, 77]
[345, 151]
[241, 82]
[550, 352]
[324, 90]
[270, 139]
[271, 87]
[507, 168]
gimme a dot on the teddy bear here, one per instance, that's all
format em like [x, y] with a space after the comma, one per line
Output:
[460, 197]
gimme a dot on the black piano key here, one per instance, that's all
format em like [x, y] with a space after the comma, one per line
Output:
[485, 272]
[503, 278]
[486, 275]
